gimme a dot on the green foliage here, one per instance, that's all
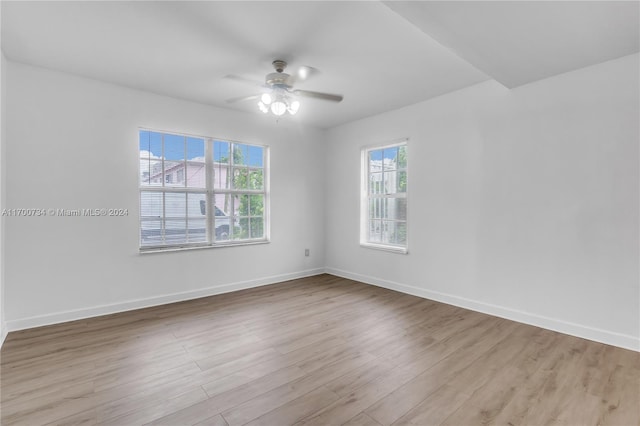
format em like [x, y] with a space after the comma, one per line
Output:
[251, 206]
[402, 165]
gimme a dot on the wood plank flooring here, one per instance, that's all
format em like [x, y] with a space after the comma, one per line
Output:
[316, 351]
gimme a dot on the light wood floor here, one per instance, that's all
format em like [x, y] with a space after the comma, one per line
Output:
[321, 350]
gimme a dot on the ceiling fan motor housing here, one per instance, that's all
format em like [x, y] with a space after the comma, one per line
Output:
[277, 79]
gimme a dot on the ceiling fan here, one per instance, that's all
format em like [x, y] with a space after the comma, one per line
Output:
[278, 92]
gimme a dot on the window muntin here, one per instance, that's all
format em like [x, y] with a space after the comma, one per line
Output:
[384, 200]
[182, 178]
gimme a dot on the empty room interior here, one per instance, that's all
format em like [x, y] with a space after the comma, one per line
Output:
[330, 213]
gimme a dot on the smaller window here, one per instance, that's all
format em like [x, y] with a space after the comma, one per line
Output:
[383, 210]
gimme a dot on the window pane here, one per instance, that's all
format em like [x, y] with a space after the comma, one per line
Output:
[242, 205]
[394, 232]
[173, 147]
[197, 206]
[150, 144]
[171, 169]
[390, 158]
[150, 158]
[377, 208]
[396, 208]
[390, 182]
[175, 231]
[375, 231]
[151, 233]
[197, 230]
[151, 218]
[223, 204]
[401, 233]
[221, 160]
[256, 179]
[143, 137]
[241, 230]
[401, 181]
[256, 205]
[150, 172]
[388, 232]
[195, 149]
[240, 154]
[375, 161]
[257, 227]
[223, 228]
[150, 205]
[240, 178]
[249, 205]
[256, 155]
[375, 183]
[196, 175]
[402, 157]
[221, 176]
[175, 204]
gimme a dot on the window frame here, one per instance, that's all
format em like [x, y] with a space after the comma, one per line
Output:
[366, 198]
[209, 192]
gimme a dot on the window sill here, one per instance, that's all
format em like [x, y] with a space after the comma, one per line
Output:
[382, 247]
[166, 249]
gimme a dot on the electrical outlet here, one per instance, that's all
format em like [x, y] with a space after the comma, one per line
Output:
[306, 252]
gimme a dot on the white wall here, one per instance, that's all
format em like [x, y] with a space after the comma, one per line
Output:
[72, 143]
[522, 203]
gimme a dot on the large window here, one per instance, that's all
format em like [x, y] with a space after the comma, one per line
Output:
[384, 197]
[197, 191]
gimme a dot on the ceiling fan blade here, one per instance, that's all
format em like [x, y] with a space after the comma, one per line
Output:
[242, 98]
[244, 80]
[301, 74]
[318, 95]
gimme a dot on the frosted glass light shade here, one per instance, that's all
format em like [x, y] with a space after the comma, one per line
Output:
[278, 108]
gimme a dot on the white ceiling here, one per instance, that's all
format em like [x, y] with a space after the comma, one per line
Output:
[379, 56]
[517, 42]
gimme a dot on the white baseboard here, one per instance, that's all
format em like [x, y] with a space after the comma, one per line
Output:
[573, 329]
[59, 317]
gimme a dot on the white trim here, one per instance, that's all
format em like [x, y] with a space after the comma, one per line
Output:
[198, 246]
[77, 314]
[598, 335]
[385, 247]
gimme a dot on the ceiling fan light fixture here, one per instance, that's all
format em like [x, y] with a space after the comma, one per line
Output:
[263, 107]
[294, 107]
[266, 98]
[278, 108]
